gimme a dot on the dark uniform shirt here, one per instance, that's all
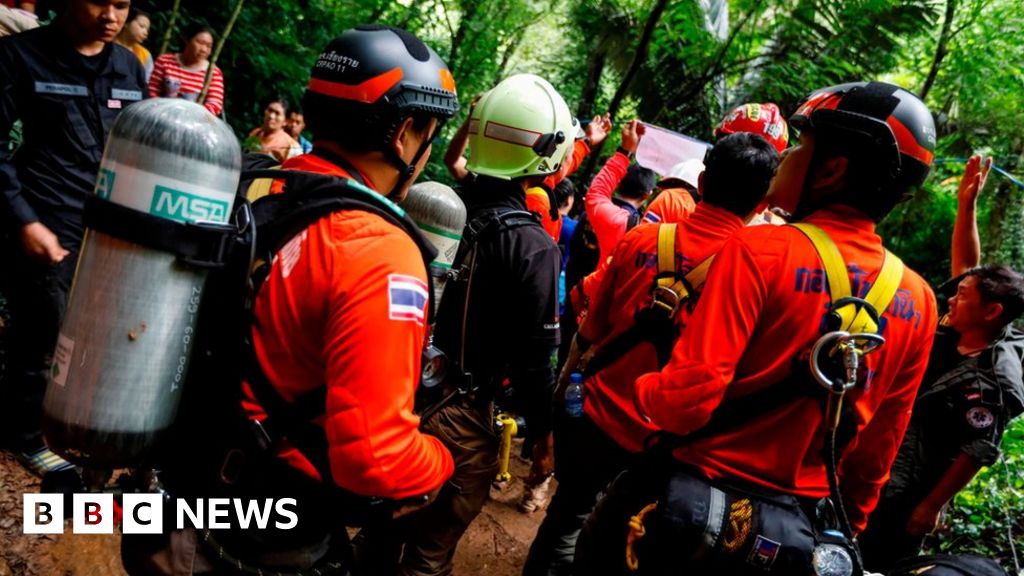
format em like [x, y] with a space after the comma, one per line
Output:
[962, 407]
[512, 312]
[67, 103]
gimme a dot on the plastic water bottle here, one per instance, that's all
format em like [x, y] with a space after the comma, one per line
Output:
[574, 396]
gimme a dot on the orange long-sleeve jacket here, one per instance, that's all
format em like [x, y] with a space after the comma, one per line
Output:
[344, 306]
[762, 306]
[624, 288]
[670, 205]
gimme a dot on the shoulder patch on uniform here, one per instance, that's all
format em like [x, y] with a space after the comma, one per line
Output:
[407, 298]
[980, 417]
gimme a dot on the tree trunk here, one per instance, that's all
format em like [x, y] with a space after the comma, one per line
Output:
[510, 51]
[220, 46]
[595, 69]
[941, 49]
[639, 57]
[468, 13]
[170, 27]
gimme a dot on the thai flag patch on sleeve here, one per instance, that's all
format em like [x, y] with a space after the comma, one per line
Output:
[407, 298]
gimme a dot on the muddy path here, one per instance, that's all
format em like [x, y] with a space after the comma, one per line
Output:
[495, 545]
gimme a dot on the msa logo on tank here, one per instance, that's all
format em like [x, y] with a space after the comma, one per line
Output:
[184, 207]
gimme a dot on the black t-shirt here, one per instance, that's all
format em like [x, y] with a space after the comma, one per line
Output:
[511, 317]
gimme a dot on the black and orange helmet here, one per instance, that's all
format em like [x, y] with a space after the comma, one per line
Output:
[883, 122]
[369, 79]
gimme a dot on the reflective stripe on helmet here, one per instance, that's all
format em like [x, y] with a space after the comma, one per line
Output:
[366, 92]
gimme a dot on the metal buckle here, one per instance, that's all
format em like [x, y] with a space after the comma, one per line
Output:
[852, 347]
[670, 302]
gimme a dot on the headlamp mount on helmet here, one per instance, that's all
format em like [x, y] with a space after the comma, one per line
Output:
[548, 143]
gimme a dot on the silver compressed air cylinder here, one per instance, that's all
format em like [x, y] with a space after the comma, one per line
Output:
[440, 215]
[123, 351]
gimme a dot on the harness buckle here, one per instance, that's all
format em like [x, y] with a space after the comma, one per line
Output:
[665, 298]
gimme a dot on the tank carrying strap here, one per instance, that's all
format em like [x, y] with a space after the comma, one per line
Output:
[204, 245]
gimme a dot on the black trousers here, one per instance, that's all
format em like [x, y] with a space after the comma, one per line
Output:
[586, 461]
[696, 528]
[36, 295]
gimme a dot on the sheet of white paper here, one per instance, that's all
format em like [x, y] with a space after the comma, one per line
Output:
[660, 149]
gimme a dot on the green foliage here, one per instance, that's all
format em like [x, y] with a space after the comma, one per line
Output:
[985, 517]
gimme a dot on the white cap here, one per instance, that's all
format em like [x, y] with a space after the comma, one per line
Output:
[688, 171]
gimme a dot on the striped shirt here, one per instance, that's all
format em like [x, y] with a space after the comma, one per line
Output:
[172, 80]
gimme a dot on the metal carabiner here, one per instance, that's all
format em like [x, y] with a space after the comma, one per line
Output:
[852, 347]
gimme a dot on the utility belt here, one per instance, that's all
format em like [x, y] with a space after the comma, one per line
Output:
[731, 528]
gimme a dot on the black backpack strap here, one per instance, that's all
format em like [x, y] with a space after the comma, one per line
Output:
[484, 225]
[634, 219]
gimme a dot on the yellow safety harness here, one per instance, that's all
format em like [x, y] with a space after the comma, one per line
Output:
[854, 317]
[854, 333]
[669, 289]
[654, 324]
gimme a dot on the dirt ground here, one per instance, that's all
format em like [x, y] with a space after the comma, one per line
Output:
[495, 545]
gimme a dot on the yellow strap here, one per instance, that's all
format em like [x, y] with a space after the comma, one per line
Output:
[835, 267]
[666, 249]
[854, 319]
[259, 188]
[667, 266]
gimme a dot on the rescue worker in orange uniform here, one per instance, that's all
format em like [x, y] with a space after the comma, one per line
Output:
[590, 450]
[740, 492]
[338, 290]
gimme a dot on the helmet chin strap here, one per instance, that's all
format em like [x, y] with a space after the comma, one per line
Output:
[407, 170]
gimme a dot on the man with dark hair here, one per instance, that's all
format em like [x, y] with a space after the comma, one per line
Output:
[973, 388]
[294, 124]
[66, 82]
[593, 448]
[751, 447]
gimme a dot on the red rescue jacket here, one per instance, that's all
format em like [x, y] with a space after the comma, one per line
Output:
[761, 308]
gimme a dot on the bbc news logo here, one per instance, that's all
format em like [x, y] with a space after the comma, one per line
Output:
[144, 513]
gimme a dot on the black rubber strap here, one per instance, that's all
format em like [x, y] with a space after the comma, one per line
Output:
[206, 245]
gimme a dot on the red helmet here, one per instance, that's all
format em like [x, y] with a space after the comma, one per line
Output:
[764, 120]
[881, 121]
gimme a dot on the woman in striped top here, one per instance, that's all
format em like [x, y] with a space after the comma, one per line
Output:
[182, 75]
